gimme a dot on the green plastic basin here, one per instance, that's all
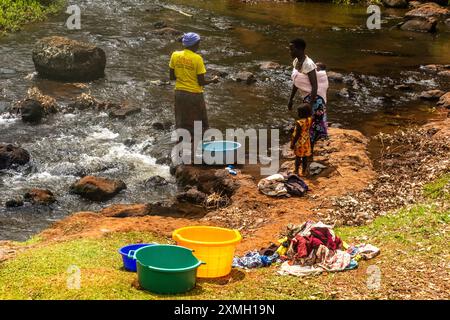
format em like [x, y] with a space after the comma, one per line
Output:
[166, 269]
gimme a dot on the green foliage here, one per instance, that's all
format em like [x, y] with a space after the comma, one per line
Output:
[439, 189]
[16, 13]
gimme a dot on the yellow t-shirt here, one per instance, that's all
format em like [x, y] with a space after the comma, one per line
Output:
[187, 65]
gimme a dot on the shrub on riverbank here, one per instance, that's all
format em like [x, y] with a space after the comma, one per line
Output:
[16, 13]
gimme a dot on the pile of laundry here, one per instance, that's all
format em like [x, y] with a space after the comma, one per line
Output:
[279, 185]
[309, 249]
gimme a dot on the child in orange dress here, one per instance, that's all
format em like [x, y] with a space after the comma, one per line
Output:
[301, 140]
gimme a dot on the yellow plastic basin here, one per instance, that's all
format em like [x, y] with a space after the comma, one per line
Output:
[213, 245]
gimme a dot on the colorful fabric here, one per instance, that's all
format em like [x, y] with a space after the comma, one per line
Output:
[302, 147]
[273, 186]
[319, 127]
[332, 260]
[190, 39]
[190, 107]
[187, 66]
[295, 186]
[253, 260]
[363, 251]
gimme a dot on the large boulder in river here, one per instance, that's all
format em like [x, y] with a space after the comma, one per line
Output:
[11, 155]
[395, 3]
[65, 59]
[96, 188]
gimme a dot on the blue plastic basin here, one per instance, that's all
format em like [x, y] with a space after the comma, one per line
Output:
[221, 146]
[128, 262]
[220, 152]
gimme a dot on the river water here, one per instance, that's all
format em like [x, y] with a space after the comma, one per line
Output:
[236, 36]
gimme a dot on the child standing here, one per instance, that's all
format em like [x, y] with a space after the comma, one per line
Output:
[301, 140]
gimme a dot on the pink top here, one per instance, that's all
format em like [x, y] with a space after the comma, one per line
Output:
[301, 81]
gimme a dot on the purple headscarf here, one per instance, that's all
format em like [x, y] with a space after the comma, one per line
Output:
[190, 39]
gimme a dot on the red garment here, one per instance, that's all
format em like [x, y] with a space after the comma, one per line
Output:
[323, 236]
[318, 236]
[303, 246]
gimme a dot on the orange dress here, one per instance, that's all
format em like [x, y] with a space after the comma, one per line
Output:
[303, 146]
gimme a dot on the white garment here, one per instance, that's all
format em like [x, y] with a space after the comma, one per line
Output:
[301, 81]
[307, 66]
[299, 271]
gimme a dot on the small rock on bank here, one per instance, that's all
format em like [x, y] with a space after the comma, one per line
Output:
[97, 188]
[61, 58]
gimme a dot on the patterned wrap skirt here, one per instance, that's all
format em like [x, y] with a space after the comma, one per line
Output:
[319, 128]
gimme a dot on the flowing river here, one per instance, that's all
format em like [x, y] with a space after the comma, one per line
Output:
[236, 36]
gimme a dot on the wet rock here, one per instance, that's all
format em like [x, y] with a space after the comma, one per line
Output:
[162, 125]
[11, 156]
[97, 188]
[428, 10]
[167, 31]
[444, 73]
[40, 197]
[395, 3]
[61, 58]
[420, 25]
[49, 103]
[127, 210]
[434, 67]
[160, 83]
[414, 4]
[447, 22]
[164, 160]
[269, 65]
[31, 111]
[431, 94]
[403, 87]
[83, 102]
[335, 76]
[121, 112]
[160, 25]
[245, 76]
[206, 180]
[14, 203]
[193, 195]
[444, 101]
[155, 181]
[344, 93]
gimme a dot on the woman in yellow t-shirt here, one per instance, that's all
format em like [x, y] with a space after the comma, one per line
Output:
[188, 70]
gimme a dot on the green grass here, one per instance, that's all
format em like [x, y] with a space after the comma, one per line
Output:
[410, 239]
[14, 14]
[439, 188]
